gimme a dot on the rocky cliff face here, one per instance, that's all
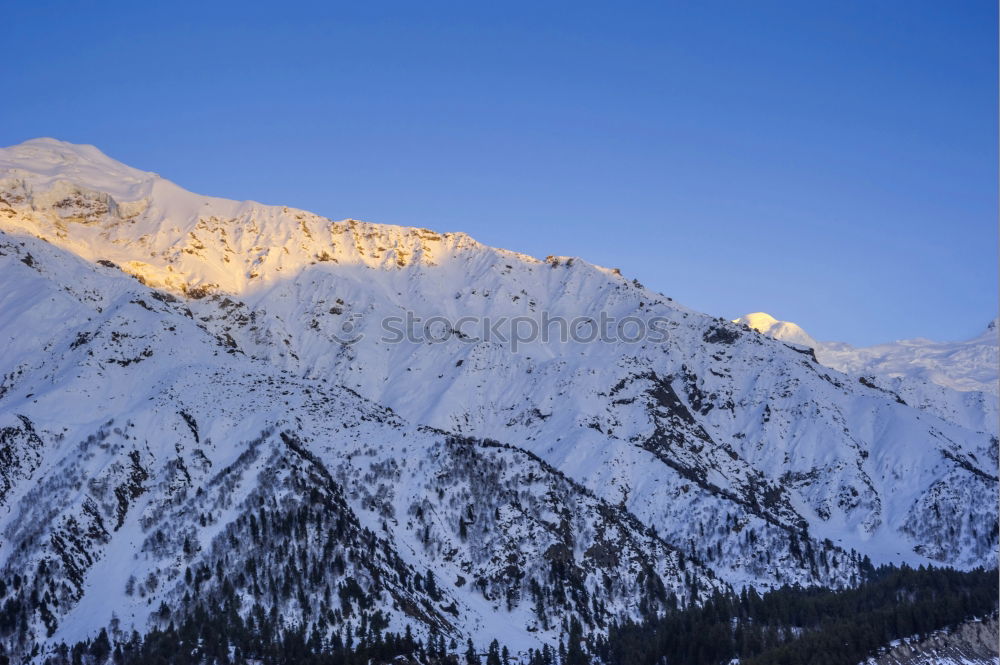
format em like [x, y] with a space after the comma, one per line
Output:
[971, 643]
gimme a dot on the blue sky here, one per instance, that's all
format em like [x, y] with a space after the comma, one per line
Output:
[832, 163]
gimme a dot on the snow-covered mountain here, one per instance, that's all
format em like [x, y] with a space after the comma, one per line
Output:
[786, 331]
[201, 395]
[958, 381]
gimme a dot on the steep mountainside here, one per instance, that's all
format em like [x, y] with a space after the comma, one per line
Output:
[150, 451]
[194, 389]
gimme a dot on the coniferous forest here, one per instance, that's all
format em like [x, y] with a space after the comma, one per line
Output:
[787, 626]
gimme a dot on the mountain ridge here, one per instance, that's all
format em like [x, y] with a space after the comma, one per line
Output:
[712, 457]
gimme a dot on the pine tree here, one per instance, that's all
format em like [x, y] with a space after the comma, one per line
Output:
[575, 654]
[493, 655]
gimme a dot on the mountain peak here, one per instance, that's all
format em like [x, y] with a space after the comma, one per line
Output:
[784, 331]
[56, 152]
[42, 163]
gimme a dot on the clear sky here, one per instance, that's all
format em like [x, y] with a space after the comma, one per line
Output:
[831, 162]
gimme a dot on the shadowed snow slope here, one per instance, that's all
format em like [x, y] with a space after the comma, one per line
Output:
[175, 373]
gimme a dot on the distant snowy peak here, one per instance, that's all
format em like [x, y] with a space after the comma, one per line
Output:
[970, 365]
[966, 366]
[785, 331]
[957, 381]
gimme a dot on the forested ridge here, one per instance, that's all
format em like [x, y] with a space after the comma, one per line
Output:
[787, 626]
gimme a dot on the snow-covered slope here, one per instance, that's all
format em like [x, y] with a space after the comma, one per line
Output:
[148, 449]
[175, 365]
[959, 381]
[972, 365]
